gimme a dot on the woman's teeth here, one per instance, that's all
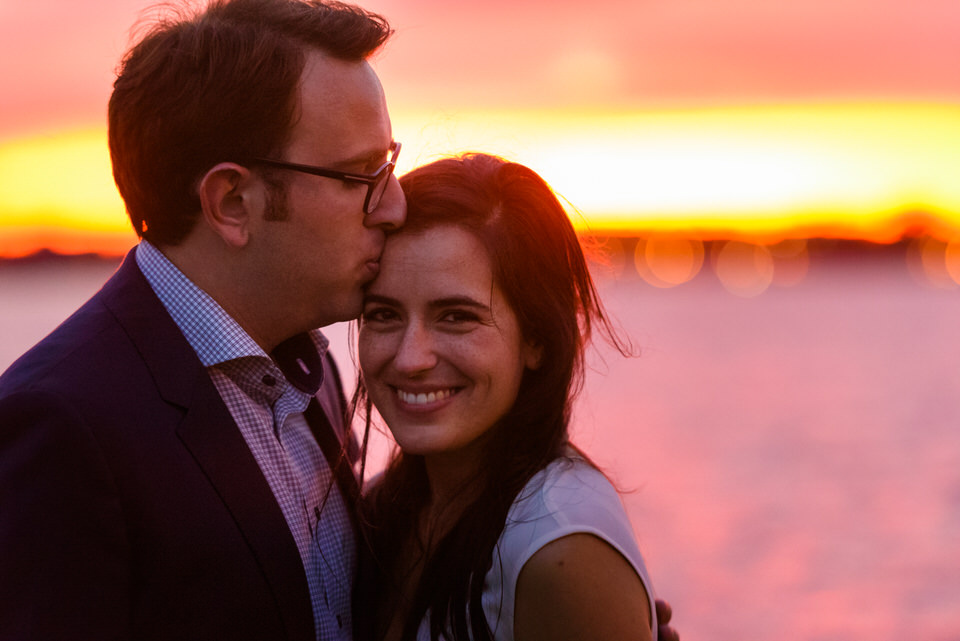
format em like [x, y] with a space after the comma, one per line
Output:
[424, 398]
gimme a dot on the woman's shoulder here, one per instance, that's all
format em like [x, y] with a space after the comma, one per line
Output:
[567, 487]
[569, 496]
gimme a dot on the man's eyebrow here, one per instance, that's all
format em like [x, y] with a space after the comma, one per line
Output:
[365, 158]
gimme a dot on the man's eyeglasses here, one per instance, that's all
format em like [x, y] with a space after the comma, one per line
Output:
[376, 182]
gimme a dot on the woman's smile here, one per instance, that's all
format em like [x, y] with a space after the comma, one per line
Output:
[441, 350]
[424, 399]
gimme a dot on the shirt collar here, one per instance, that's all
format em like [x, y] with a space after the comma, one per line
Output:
[212, 333]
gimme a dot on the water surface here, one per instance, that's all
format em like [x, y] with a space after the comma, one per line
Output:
[790, 462]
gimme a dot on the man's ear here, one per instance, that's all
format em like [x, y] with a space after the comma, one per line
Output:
[226, 199]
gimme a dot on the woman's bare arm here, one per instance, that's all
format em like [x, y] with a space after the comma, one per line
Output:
[579, 588]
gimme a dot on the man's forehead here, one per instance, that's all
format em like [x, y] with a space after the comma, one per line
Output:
[342, 113]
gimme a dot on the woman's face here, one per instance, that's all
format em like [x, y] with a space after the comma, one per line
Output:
[441, 350]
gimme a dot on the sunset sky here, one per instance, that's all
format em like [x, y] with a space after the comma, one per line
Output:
[742, 118]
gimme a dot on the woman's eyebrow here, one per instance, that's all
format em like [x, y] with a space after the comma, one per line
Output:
[448, 301]
[459, 301]
[380, 299]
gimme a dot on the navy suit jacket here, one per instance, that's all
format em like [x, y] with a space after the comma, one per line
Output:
[130, 505]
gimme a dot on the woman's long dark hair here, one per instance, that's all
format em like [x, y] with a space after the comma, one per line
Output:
[540, 267]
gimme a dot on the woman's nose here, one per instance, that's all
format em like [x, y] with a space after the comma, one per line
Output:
[416, 351]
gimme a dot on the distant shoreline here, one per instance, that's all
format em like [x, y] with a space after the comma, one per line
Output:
[819, 247]
[50, 257]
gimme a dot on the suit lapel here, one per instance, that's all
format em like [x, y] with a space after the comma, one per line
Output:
[213, 439]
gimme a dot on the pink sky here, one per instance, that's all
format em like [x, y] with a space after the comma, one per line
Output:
[59, 55]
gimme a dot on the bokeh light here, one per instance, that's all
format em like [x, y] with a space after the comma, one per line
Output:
[934, 262]
[744, 269]
[952, 259]
[667, 262]
[791, 261]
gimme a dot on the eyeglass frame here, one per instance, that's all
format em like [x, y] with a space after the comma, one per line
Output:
[371, 180]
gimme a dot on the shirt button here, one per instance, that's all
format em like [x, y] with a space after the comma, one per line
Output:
[268, 380]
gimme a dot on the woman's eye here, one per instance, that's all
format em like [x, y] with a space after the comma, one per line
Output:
[378, 315]
[459, 316]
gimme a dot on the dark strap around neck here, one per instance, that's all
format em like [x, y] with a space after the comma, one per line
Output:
[335, 453]
[301, 363]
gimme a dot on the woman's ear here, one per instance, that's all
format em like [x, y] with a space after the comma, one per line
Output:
[532, 355]
[225, 197]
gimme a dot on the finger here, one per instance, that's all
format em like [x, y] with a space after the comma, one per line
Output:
[666, 633]
[664, 611]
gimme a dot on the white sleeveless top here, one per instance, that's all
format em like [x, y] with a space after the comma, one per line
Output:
[566, 497]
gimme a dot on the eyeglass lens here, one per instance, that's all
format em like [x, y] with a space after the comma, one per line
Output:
[377, 189]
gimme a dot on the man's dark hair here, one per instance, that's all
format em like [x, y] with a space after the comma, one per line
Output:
[216, 86]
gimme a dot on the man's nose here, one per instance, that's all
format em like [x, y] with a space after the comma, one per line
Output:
[392, 210]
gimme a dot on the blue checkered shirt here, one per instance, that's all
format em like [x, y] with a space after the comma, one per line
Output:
[268, 411]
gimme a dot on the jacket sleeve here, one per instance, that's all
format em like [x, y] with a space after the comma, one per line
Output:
[63, 547]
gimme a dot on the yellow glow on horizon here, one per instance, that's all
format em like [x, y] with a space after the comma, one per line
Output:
[748, 172]
[63, 180]
[57, 192]
[762, 169]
